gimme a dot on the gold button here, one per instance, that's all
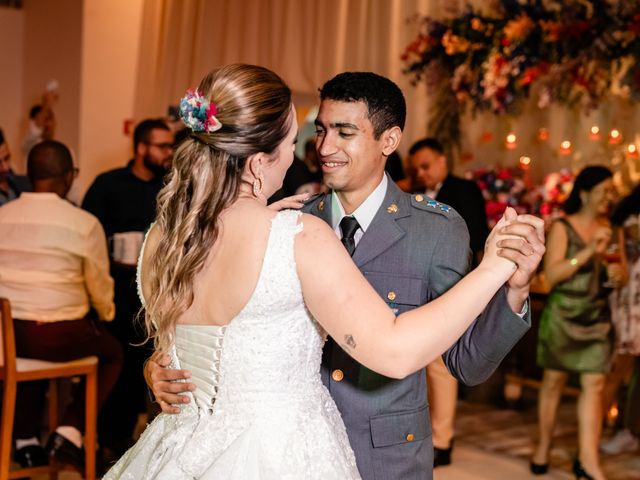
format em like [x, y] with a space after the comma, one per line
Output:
[419, 198]
[391, 296]
[409, 437]
[393, 208]
[321, 205]
[337, 375]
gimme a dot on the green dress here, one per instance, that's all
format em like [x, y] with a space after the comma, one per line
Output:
[575, 328]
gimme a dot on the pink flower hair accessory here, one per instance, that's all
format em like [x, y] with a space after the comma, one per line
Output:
[198, 113]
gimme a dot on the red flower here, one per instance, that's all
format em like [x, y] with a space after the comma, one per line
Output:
[545, 209]
[500, 62]
[504, 174]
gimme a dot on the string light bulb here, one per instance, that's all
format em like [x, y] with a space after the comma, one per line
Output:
[565, 147]
[543, 134]
[511, 141]
[615, 137]
[594, 133]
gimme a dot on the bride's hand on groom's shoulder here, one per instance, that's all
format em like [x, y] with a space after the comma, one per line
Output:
[167, 385]
[294, 202]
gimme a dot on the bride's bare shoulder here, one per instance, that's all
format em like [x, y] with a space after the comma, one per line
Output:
[314, 226]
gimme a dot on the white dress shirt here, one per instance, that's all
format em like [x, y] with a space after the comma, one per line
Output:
[363, 214]
[53, 260]
[433, 192]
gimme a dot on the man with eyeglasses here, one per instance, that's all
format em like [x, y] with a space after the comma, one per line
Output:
[11, 185]
[124, 200]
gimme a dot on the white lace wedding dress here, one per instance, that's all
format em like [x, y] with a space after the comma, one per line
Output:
[260, 410]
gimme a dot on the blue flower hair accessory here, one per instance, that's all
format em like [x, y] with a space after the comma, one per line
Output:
[198, 113]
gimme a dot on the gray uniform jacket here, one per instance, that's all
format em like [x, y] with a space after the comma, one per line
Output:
[414, 250]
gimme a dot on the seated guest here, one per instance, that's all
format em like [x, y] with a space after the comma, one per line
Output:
[54, 268]
[11, 185]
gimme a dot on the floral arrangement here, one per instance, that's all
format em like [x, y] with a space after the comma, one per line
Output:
[198, 113]
[506, 187]
[572, 52]
[501, 188]
[549, 197]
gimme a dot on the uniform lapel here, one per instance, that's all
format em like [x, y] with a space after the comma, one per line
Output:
[383, 231]
[322, 208]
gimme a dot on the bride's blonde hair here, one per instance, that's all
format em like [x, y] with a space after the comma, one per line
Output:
[253, 105]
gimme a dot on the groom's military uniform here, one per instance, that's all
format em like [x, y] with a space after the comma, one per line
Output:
[414, 249]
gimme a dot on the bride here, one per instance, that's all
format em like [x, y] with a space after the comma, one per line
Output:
[244, 298]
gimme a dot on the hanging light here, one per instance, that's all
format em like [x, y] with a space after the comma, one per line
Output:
[525, 162]
[511, 141]
[486, 137]
[543, 134]
[615, 137]
[594, 133]
[632, 150]
[612, 415]
[565, 147]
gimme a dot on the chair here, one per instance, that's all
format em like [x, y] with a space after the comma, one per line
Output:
[14, 370]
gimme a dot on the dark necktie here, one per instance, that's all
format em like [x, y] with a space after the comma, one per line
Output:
[349, 226]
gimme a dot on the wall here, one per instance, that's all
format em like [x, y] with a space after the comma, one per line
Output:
[12, 62]
[52, 47]
[110, 40]
[91, 48]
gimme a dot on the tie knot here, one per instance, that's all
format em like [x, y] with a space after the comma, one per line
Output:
[348, 226]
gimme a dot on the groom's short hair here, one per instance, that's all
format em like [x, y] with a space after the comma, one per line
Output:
[384, 100]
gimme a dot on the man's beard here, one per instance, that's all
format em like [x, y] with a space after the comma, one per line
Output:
[159, 171]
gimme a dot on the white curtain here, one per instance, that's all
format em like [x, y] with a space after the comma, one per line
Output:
[305, 41]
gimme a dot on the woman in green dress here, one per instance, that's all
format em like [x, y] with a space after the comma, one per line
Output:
[575, 328]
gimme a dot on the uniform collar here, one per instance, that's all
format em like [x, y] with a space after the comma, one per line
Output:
[367, 210]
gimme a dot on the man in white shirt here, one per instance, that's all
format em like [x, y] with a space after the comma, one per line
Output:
[54, 269]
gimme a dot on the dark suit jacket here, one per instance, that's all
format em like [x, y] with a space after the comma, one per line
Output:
[466, 198]
[411, 253]
[17, 184]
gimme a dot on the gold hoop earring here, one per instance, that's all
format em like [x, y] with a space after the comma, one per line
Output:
[257, 187]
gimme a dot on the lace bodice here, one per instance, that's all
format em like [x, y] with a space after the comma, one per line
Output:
[260, 409]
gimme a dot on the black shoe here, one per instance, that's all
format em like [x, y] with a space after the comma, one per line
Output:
[538, 468]
[580, 472]
[64, 451]
[441, 456]
[31, 456]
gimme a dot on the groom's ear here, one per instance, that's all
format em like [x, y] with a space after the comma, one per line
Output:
[390, 140]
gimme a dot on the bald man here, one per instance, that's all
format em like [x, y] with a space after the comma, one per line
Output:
[54, 270]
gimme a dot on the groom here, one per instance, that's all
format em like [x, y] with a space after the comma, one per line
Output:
[411, 249]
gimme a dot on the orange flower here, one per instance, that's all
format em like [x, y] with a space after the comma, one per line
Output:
[454, 44]
[551, 30]
[518, 28]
